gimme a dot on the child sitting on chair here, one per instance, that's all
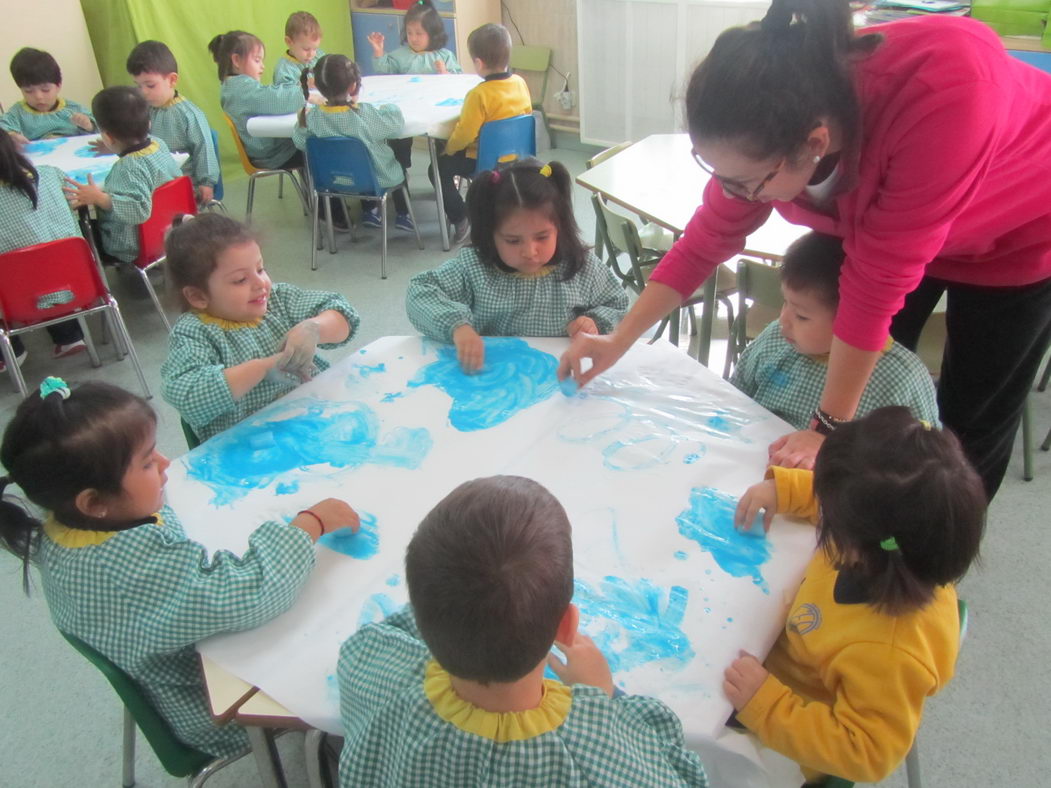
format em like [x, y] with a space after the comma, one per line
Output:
[526, 274]
[451, 690]
[174, 118]
[144, 163]
[874, 628]
[303, 39]
[245, 341]
[784, 368]
[42, 113]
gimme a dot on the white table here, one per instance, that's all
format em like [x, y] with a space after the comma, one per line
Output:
[658, 179]
[624, 460]
[74, 156]
[430, 104]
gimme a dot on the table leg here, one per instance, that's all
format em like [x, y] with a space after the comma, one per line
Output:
[704, 341]
[443, 224]
[267, 761]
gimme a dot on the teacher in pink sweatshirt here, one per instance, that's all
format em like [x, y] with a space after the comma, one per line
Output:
[927, 149]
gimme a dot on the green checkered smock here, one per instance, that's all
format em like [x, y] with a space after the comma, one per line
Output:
[404, 61]
[34, 125]
[405, 726]
[371, 124]
[465, 291]
[242, 98]
[143, 597]
[22, 225]
[184, 129]
[789, 383]
[289, 70]
[130, 185]
[200, 347]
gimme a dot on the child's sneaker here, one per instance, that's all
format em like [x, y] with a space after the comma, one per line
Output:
[19, 359]
[371, 218]
[404, 222]
[461, 231]
[61, 351]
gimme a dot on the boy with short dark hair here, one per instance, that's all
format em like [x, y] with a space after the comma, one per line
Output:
[303, 39]
[501, 95]
[784, 368]
[452, 691]
[144, 164]
[173, 118]
[42, 113]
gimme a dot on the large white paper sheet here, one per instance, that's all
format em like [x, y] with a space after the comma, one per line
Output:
[74, 156]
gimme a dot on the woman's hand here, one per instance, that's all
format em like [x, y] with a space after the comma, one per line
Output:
[470, 348]
[796, 449]
[759, 497]
[584, 664]
[604, 352]
[743, 679]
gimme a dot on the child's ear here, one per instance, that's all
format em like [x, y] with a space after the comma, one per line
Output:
[90, 503]
[567, 627]
[288, 42]
[173, 78]
[195, 297]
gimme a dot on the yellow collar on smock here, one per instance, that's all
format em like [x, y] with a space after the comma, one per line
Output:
[60, 105]
[224, 324]
[64, 536]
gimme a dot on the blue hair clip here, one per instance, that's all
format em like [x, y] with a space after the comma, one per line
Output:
[54, 385]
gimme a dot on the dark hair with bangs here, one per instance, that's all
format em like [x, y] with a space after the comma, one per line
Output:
[424, 12]
[490, 576]
[224, 46]
[123, 113]
[151, 57]
[16, 171]
[812, 264]
[889, 475]
[518, 185]
[193, 247]
[765, 86]
[35, 67]
[336, 77]
[56, 448]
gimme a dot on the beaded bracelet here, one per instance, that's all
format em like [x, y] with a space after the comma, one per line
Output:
[319, 522]
[823, 424]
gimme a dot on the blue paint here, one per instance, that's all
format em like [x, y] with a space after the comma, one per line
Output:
[40, 147]
[98, 171]
[362, 352]
[303, 435]
[726, 423]
[635, 623]
[568, 386]
[450, 102]
[415, 79]
[86, 152]
[778, 378]
[515, 377]
[710, 522]
[690, 459]
[362, 544]
[332, 688]
[730, 619]
[365, 370]
[286, 488]
[376, 608]
[681, 555]
[390, 396]
[393, 580]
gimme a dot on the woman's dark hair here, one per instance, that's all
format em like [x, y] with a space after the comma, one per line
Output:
[56, 448]
[424, 12]
[193, 247]
[16, 170]
[335, 76]
[490, 575]
[812, 264]
[223, 48]
[35, 67]
[765, 86]
[889, 476]
[151, 57]
[496, 194]
[123, 113]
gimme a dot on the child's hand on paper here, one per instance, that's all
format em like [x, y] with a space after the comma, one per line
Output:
[796, 449]
[743, 679]
[99, 148]
[78, 194]
[470, 348]
[327, 516]
[584, 664]
[582, 324]
[376, 39]
[82, 121]
[439, 67]
[762, 496]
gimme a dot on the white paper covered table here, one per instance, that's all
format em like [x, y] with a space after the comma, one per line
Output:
[647, 460]
[74, 156]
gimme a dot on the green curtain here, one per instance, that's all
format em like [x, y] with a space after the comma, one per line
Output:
[116, 26]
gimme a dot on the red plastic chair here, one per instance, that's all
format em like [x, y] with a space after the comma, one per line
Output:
[169, 200]
[52, 282]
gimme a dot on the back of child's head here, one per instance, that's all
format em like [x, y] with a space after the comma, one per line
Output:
[224, 46]
[525, 184]
[123, 113]
[424, 12]
[16, 171]
[194, 245]
[302, 23]
[491, 44]
[490, 576]
[812, 264]
[57, 446]
[152, 57]
[900, 505]
[35, 67]
[335, 76]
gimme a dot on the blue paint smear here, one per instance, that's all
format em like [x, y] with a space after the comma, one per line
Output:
[690, 459]
[415, 79]
[254, 454]
[97, 172]
[365, 370]
[85, 152]
[40, 147]
[362, 544]
[710, 522]
[640, 622]
[680, 555]
[376, 608]
[332, 688]
[568, 387]
[390, 396]
[287, 489]
[515, 377]
[450, 102]
[393, 580]
[778, 378]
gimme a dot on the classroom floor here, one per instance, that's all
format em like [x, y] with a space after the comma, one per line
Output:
[62, 722]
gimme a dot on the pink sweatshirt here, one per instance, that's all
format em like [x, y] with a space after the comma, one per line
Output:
[953, 180]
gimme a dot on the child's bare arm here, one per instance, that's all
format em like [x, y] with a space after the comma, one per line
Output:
[246, 376]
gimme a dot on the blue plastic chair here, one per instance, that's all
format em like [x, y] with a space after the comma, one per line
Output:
[500, 138]
[341, 167]
[217, 192]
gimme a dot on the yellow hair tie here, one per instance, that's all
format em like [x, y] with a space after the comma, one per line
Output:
[546, 170]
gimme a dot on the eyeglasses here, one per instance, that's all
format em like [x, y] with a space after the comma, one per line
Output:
[732, 187]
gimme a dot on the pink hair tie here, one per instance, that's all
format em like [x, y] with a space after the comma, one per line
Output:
[494, 177]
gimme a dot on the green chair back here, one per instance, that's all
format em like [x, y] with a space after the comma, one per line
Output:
[760, 284]
[529, 58]
[619, 236]
[598, 158]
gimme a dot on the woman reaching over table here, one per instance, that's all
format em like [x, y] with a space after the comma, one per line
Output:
[927, 149]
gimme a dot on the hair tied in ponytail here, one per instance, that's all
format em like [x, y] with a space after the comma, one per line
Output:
[54, 385]
[778, 17]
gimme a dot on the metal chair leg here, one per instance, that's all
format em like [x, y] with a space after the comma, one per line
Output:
[125, 338]
[12, 365]
[912, 767]
[412, 214]
[316, 773]
[328, 221]
[153, 295]
[281, 186]
[89, 342]
[299, 182]
[267, 760]
[128, 768]
[383, 229]
[1027, 441]
[1045, 378]
[315, 235]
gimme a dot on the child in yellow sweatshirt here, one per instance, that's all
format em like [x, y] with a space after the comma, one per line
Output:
[874, 628]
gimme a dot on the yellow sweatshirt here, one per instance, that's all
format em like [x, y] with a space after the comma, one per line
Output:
[500, 96]
[847, 684]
